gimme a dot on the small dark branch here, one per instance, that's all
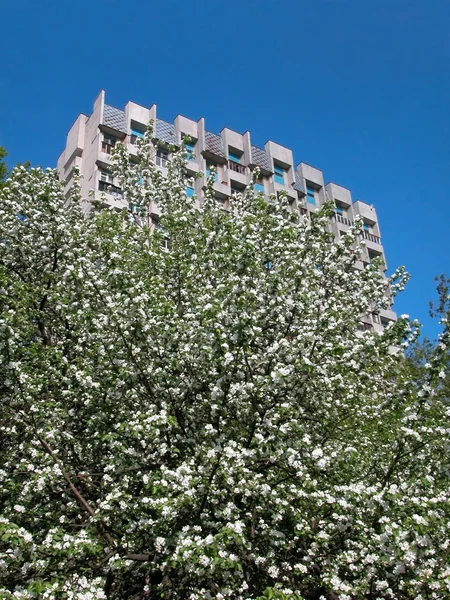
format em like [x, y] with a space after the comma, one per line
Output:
[444, 558]
[253, 526]
[138, 557]
[248, 366]
[46, 340]
[109, 582]
[73, 489]
[87, 506]
[210, 479]
[312, 349]
[251, 433]
[392, 466]
[140, 596]
[16, 271]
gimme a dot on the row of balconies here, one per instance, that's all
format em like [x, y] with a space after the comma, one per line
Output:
[232, 177]
[378, 320]
[234, 154]
[229, 173]
[367, 234]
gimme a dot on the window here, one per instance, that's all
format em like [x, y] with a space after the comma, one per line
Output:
[339, 210]
[190, 190]
[209, 167]
[162, 157]
[165, 243]
[279, 174]
[190, 150]
[135, 135]
[259, 186]
[376, 318]
[234, 163]
[108, 143]
[106, 176]
[384, 322]
[366, 227]
[310, 195]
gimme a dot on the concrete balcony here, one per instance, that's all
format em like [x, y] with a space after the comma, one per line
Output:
[390, 315]
[238, 173]
[366, 211]
[105, 157]
[373, 242]
[378, 327]
[375, 239]
[343, 220]
[364, 326]
[132, 149]
[222, 189]
[192, 167]
[340, 225]
[110, 199]
[237, 167]
[154, 208]
[339, 194]
[280, 187]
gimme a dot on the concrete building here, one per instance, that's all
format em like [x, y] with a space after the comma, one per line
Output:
[91, 139]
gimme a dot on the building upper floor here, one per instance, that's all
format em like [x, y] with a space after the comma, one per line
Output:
[230, 155]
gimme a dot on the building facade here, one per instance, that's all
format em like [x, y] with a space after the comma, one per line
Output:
[91, 139]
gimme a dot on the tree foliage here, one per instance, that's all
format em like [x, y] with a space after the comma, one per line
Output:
[206, 420]
[422, 354]
[3, 167]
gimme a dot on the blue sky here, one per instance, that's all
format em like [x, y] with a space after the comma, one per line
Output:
[358, 88]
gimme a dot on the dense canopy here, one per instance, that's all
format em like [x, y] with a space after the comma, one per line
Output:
[191, 412]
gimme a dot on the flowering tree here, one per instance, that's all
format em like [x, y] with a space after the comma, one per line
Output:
[206, 420]
[3, 167]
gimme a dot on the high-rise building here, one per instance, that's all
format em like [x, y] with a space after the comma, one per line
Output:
[91, 139]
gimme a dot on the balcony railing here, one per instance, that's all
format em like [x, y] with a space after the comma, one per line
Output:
[237, 167]
[343, 220]
[364, 326]
[104, 186]
[371, 237]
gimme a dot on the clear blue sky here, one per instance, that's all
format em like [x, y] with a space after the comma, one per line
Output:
[358, 88]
